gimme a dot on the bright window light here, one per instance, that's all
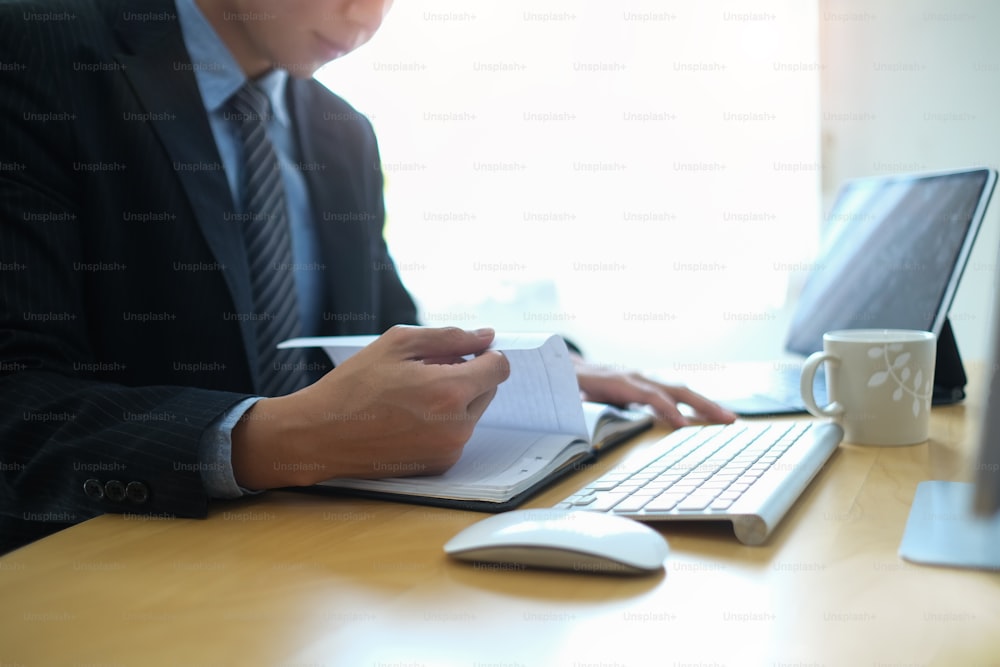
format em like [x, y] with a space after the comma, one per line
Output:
[641, 176]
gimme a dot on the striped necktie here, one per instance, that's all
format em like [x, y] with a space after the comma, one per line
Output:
[269, 249]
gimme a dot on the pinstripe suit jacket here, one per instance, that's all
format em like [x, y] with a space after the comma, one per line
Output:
[124, 285]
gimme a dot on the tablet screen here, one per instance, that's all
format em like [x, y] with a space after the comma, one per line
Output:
[893, 251]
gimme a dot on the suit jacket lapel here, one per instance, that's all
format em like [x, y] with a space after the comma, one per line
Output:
[338, 210]
[168, 92]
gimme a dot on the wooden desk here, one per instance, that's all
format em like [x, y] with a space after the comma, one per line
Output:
[292, 579]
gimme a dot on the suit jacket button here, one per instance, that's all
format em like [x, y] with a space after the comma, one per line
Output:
[93, 489]
[137, 492]
[114, 490]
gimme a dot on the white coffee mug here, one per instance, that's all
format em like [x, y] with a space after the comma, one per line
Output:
[879, 381]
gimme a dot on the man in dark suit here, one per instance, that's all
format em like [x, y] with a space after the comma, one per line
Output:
[131, 374]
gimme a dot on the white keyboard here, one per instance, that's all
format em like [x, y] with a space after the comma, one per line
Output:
[748, 473]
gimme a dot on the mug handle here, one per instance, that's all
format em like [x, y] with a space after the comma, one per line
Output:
[809, 368]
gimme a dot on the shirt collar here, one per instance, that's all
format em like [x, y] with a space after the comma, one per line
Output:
[273, 84]
[218, 74]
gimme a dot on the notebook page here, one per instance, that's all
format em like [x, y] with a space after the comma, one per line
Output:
[541, 393]
[495, 464]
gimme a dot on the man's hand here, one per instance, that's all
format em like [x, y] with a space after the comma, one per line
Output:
[619, 388]
[404, 405]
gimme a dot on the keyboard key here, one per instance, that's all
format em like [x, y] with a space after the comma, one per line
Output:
[696, 501]
[605, 500]
[628, 487]
[632, 504]
[664, 502]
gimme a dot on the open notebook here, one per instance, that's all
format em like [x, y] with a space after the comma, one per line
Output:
[535, 430]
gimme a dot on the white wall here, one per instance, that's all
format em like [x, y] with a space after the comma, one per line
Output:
[914, 85]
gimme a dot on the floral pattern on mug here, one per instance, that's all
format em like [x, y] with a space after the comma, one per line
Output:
[907, 382]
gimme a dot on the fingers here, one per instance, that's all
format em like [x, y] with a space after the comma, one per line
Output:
[664, 399]
[625, 388]
[710, 410]
[479, 404]
[465, 388]
[442, 344]
[446, 349]
[458, 395]
[482, 373]
[666, 409]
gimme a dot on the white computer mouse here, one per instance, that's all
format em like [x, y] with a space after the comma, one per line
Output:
[562, 539]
